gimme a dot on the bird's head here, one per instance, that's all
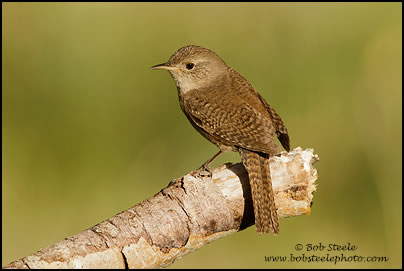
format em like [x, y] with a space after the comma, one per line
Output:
[193, 67]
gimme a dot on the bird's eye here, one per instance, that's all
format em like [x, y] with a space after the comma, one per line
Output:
[189, 66]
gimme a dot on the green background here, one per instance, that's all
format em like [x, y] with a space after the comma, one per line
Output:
[89, 130]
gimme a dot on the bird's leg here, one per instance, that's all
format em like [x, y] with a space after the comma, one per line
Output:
[205, 168]
[206, 165]
[202, 171]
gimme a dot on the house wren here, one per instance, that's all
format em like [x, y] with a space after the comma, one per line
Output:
[225, 108]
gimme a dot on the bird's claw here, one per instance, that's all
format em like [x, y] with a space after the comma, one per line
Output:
[203, 171]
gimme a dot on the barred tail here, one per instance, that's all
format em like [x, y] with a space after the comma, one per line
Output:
[266, 216]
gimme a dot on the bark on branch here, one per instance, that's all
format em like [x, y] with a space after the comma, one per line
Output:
[189, 213]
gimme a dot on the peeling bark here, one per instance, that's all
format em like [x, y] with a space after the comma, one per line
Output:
[190, 212]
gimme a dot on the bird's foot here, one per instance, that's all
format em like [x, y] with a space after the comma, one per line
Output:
[203, 171]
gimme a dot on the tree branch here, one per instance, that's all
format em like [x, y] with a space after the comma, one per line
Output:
[189, 213]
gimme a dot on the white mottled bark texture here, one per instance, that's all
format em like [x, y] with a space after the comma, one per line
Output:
[192, 211]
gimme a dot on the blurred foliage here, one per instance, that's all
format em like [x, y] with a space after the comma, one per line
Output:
[89, 130]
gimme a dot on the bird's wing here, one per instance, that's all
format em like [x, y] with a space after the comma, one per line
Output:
[280, 127]
[231, 122]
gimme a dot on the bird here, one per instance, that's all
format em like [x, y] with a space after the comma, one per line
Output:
[224, 107]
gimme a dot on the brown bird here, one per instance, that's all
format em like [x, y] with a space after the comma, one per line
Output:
[225, 108]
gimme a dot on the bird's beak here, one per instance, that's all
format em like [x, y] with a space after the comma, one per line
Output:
[163, 66]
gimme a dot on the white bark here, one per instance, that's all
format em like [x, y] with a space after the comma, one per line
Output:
[189, 213]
